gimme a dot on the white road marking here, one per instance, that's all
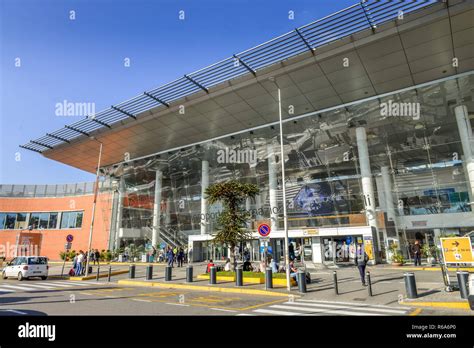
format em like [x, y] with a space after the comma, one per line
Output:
[351, 304]
[321, 310]
[269, 311]
[223, 310]
[56, 284]
[40, 286]
[356, 308]
[177, 304]
[18, 287]
[139, 300]
[6, 290]
[13, 311]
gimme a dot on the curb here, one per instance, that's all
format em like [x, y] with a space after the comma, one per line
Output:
[451, 269]
[100, 275]
[203, 288]
[449, 305]
[117, 263]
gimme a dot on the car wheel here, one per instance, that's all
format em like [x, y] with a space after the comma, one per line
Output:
[4, 275]
[20, 276]
[44, 277]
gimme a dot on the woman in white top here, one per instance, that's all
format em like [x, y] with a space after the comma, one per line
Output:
[227, 265]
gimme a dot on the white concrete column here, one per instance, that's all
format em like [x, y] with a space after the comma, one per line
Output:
[465, 133]
[204, 186]
[157, 208]
[388, 194]
[272, 185]
[367, 184]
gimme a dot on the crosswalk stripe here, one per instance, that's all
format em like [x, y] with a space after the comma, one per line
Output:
[356, 308]
[270, 311]
[41, 286]
[77, 283]
[55, 284]
[350, 304]
[6, 290]
[18, 287]
[322, 310]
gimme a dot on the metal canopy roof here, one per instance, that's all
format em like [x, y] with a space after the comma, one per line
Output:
[363, 15]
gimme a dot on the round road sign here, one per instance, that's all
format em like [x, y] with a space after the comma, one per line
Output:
[69, 238]
[264, 230]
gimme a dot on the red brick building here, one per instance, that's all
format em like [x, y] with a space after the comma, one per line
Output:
[53, 215]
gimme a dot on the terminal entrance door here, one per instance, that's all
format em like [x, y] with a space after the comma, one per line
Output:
[340, 250]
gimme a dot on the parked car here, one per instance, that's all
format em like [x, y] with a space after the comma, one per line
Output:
[24, 267]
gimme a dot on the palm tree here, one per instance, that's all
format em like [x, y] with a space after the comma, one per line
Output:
[232, 220]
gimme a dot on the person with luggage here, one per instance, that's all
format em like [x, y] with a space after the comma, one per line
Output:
[79, 261]
[360, 261]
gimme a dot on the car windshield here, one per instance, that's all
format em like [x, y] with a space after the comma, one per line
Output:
[37, 261]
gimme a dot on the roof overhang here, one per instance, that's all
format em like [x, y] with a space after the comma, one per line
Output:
[395, 55]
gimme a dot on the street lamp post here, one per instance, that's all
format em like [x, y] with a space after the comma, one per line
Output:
[96, 190]
[285, 216]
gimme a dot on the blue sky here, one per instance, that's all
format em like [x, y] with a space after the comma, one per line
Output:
[82, 60]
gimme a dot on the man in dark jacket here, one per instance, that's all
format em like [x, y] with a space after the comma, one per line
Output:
[417, 253]
[360, 261]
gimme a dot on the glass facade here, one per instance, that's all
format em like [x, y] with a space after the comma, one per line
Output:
[20, 221]
[415, 171]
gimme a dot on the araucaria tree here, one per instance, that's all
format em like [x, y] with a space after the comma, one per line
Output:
[233, 218]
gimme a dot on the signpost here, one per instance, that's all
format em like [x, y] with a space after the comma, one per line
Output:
[264, 232]
[457, 250]
[67, 247]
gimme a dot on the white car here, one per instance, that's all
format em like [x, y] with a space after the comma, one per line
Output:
[24, 267]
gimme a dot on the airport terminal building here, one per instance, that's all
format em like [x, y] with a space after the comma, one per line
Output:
[376, 103]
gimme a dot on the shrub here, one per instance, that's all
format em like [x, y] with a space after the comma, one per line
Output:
[398, 258]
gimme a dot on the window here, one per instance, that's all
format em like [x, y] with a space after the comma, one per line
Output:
[43, 220]
[21, 221]
[34, 220]
[71, 219]
[53, 220]
[37, 261]
[10, 221]
[2, 220]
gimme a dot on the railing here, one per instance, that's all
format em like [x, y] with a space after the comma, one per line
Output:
[54, 190]
[360, 16]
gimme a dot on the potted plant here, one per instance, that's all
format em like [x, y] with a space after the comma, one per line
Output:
[430, 253]
[398, 259]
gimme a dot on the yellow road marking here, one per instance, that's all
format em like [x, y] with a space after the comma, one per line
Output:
[451, 305]
[415, 312]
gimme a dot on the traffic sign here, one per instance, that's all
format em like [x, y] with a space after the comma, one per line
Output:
[457, 250]
[69, 238]
[264, 230]
[67, 246]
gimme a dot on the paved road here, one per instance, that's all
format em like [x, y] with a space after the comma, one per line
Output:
[65, 297]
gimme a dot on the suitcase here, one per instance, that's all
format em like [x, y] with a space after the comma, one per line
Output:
[72, 272]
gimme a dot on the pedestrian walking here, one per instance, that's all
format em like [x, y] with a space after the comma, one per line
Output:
[417, 253]
[180, 257]
[360, 261]
[96, 256]
[170, 257]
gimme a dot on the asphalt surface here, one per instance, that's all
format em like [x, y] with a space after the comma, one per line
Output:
[64, 297]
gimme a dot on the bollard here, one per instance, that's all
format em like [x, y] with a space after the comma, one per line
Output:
[149, 272]
[213, 276]
[470, 298]
[334, 277]
[131, 271]
[369, 283]
[301, 281]
[239, 277]
[98, 273]
[268, 278]
[410, 285]
[463, 278]
[168, 274]
[110, 273]
[189, 274]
